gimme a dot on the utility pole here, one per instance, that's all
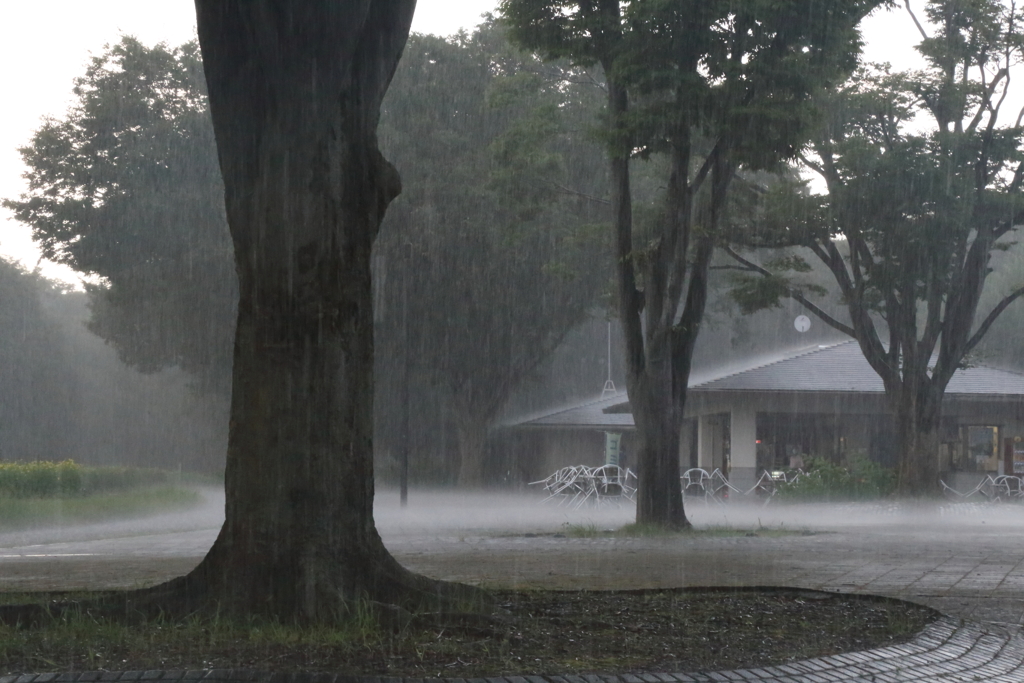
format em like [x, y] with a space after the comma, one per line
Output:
[609, 385]
[403, 448]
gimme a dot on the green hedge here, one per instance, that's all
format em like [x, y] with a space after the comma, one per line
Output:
[826, 481]
[44, 479]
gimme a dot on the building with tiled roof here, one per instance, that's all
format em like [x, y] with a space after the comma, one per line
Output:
[819, 401]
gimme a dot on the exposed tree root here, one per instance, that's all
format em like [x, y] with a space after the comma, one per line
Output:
[417, 601]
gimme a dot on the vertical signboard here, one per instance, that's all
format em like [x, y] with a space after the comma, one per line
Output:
[611, 448]
[1013, 456]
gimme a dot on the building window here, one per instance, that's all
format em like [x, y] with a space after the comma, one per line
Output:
[981, 448]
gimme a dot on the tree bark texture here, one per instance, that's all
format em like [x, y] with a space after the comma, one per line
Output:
[659, 495]
[919, 450]
[472, 439]
[295, 91]
[654, 401]
[662, 323]
[917, 414]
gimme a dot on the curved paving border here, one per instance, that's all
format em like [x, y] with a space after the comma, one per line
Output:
[946, 650]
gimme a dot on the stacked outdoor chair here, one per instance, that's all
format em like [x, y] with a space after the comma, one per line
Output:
[579, 485]
[613, 484]
[768, 483]
[568, 486]
[954, 495]
[1000, 488]
[766, 486]
[721, 489]
[696, 483]
[1007, 487]
[699, 484]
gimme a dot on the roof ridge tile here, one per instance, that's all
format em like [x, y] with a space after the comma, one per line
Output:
[794, 354]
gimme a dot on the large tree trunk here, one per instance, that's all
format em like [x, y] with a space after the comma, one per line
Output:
[659, 494]
[917, 433]
[648, 362]
[295, 89]
[919, 450]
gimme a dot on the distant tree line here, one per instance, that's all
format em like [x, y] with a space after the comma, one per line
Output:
[501, 243]
[64, 394]
[489, 258]
[494, 251]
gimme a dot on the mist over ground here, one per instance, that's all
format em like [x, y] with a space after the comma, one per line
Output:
[964, 559]
[495, 512]
[446, 512]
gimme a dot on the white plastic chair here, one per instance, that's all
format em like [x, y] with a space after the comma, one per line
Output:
[767, 485]
[696, 482]
[611, 484]
[721, 489]
[568, 484]
[1006, 487]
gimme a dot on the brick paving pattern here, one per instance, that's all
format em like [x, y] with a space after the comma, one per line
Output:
[946, 651]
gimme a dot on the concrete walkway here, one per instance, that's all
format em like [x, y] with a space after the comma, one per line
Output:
[964, 560]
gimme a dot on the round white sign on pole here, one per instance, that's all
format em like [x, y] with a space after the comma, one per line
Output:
[802, 323]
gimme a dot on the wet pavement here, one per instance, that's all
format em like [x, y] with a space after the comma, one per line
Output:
[966, 563]
[964, 560]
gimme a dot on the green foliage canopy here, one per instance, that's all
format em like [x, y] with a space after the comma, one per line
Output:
[490, 255]
[711, 87]
[923, 181]
[126, 188]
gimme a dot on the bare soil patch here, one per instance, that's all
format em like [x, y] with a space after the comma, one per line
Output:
[541, 632]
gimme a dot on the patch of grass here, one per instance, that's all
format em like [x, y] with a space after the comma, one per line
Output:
[43, 598]
[543, 632]
[65, 479]
[19, 513]
[655, 531]
[640, 530]
[80, 641]
[582, 531]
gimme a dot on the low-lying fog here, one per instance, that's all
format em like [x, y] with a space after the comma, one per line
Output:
[445, 513]
[496, 513]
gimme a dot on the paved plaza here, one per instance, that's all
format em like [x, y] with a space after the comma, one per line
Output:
[964, 560]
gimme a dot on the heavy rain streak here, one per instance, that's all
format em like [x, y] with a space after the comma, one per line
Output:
[729, 299]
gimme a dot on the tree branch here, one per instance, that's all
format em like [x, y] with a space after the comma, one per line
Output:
[683, 337]
[817, 168]
[742, 269]
[1020, 117]
[1018, 175]
[986, 103]
[709, 162]
[795, 295]
[991, 318]
[568, 190]
[920, 29]
[933, 324]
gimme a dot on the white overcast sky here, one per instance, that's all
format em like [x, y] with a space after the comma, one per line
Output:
[45, 44]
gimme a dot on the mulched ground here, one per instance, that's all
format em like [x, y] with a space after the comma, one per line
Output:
[544, 632]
